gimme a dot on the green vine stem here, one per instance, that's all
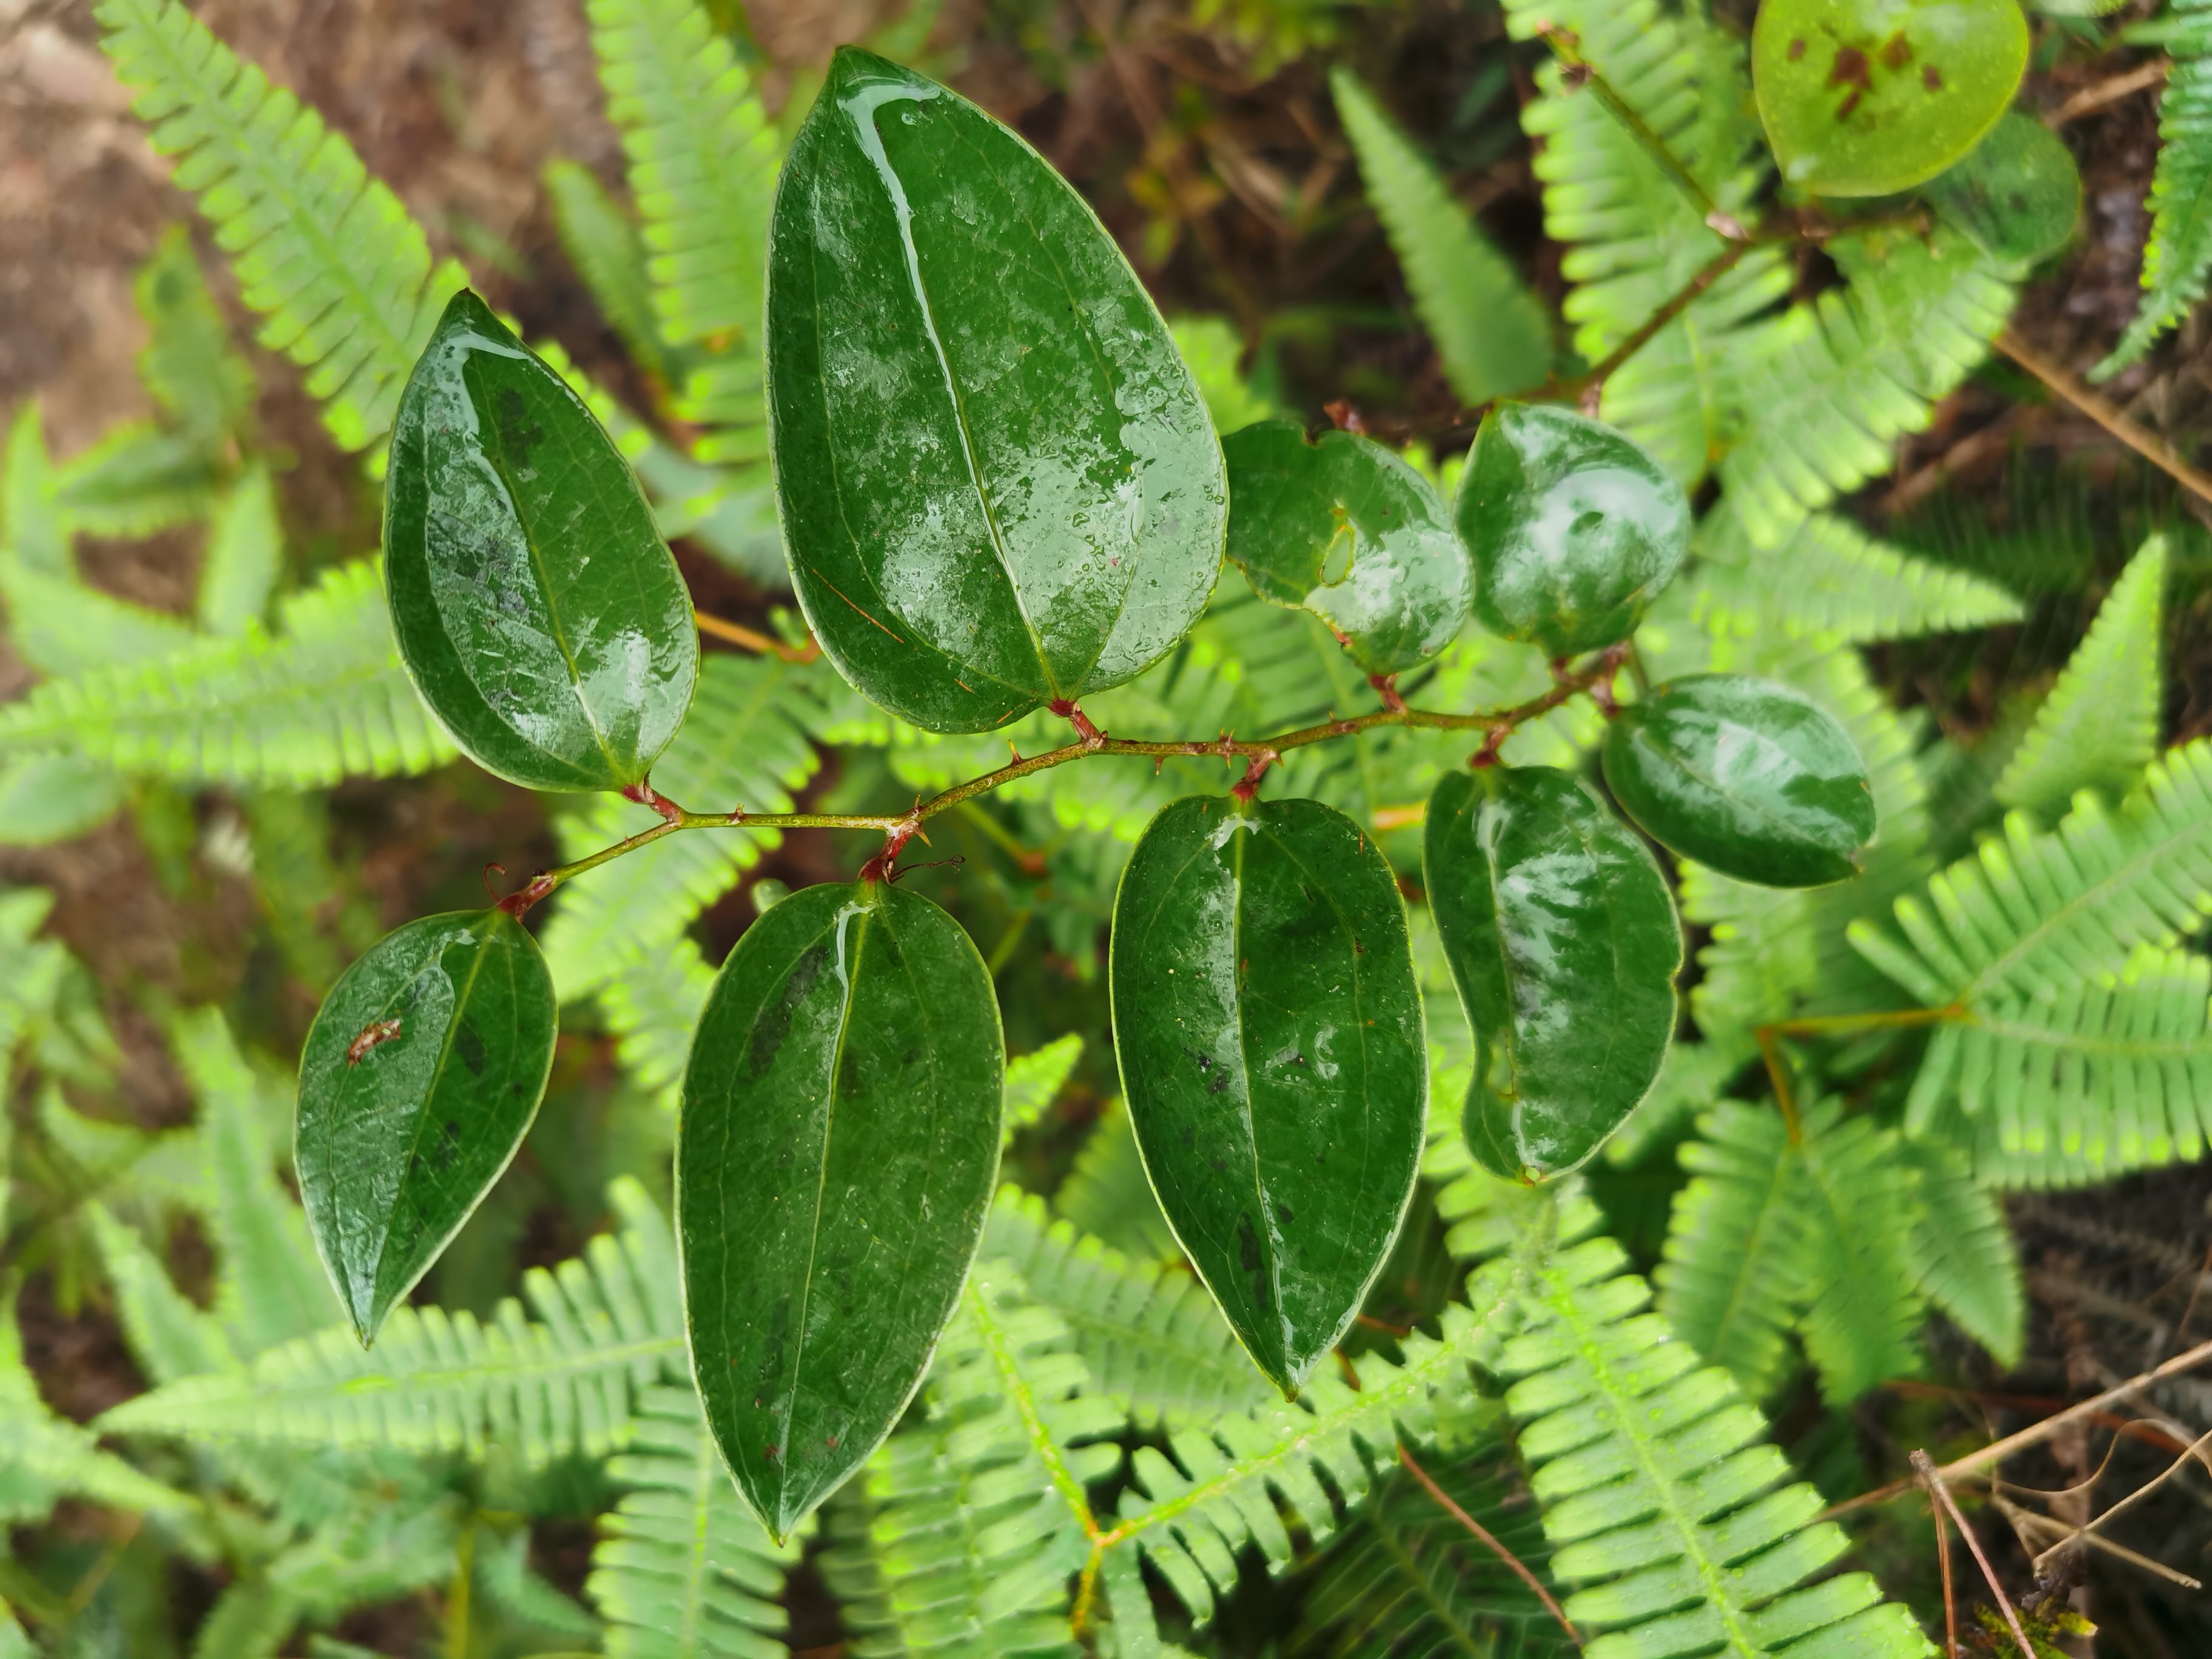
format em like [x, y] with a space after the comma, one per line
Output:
[1595, 676]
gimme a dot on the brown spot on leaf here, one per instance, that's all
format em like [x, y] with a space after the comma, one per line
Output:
[1849, 105]
[1796, 49]
[1851, 70]
[1897, 50]
[1931, 77]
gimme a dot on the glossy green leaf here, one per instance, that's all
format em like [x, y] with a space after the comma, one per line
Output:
[537, 607]
[840, 1137]
[999, 482]
[2018, 196]
[1867, 97]
[1747, 777]
[1572, 526]
[1561, 937]
[420, 1077]
[1344, 529]
[1269, 1031]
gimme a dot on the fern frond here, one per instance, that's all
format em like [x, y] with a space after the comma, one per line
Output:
[32, 531]
[1634, 239]
[244, 554]
[1733, 1277]
[1961, 1251]
[44, 1458]
[1107, 1195]
[608, 1324]
[681, 1569]
[504, 1574]
[1216, 1488]
[702, 160]
[1410, 1579]
[652, 1006]
[30, 967]
[976, 1521]
[1034, 1080]
[1213, 351]
[1865, 1318]
[137, 479]
[1829, 578]
[203, 387]
[60, 625]
[745, 744]
[1150, 1337]
[2033, 911]
[326, 698]
[269, 1286]
[1691, 1078]
[1662, 1501]
[2110, 1074]
[2098, 727]
[1831, 386]
[325, 253]
[2179, 252]
[169, 1337]
[45, 798]
[605, 246]
[1489, 329]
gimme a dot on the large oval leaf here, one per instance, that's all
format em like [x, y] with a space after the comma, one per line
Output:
[537, 607]
[1573, 528]
[1747, 777]
[420, 1077]
[840, 1137]
[1000, 486]
[1869, 97]
[1561, 936]
[1269, 1031]
[1347, 530]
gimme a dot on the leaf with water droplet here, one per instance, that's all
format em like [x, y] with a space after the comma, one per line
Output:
[419, 1079]
[838, 1141]
[1573, 528]
[1747, 777]
[1343, 528]
[1870, 97]
[999, 482]
[1269, 1030]
[1561, 936]
[536, 608]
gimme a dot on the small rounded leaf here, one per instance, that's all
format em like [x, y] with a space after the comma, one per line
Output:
[1747, 777]
[420, 1077]
[1869, 97]
[1561, 936]
[537, 610]
[1347, 530]
[2018, 196]
[1574, 529]
[840, 1138]
[1270, 1035]
[998, 483]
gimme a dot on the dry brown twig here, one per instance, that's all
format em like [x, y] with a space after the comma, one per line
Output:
[1489, 1541]
[2103, 414]
[1932, 1478]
